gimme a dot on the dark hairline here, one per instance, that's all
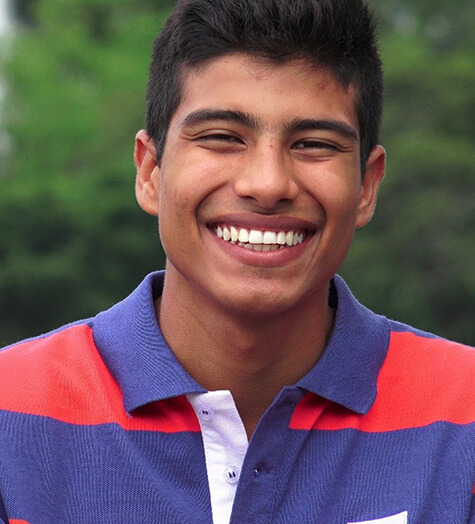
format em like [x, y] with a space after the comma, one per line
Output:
[176, 55]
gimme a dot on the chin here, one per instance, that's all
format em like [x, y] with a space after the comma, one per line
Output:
[259, 304]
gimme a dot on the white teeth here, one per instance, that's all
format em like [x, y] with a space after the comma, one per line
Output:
[255, 237]
[259, 240]
[281, 238]
[234, 234]
[226, 234]
[270, 237]
[243, 235]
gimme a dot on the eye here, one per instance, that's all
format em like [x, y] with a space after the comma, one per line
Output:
[220, 137]
[312, 145]
[221, 142]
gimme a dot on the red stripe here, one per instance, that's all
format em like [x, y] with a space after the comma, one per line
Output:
[422, 381]
[63, 377]
[16, 521]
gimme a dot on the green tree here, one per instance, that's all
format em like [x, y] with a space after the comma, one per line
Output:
[414, 262]
[72, 240]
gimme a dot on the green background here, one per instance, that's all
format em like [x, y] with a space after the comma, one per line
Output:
[72, 238]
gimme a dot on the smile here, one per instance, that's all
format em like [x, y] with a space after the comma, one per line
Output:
[259, 240]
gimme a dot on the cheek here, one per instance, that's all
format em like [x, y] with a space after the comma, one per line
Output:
[345, 205]
[178, 191]
[194, 176]
[180, 196]
[338, 195]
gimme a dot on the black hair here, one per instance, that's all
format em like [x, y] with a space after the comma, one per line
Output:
[336, 34]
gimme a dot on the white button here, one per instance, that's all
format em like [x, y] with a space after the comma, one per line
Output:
[231, 474]
[206, 412]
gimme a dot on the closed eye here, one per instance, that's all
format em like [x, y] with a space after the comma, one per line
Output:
[221, 142]
[309, 145]
[220, 137]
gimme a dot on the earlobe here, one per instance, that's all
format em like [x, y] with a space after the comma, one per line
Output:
[147, 179]
[375, 169]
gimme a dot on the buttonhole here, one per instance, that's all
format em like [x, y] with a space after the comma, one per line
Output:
[258, 470]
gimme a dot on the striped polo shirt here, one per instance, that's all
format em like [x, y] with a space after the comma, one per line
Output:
[99, 423]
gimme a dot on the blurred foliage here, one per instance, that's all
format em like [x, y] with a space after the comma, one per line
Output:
[72, 240]
[415, 260]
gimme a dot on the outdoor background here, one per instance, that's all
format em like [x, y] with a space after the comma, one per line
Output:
[72, 239]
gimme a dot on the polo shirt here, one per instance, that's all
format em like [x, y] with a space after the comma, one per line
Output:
[99, 423]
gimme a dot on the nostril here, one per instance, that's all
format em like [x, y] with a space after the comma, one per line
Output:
[266, 191]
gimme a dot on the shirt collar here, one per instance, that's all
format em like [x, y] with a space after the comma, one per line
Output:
[133, 347]
[347, 372]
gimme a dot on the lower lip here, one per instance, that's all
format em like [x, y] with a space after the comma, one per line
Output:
[277, 258]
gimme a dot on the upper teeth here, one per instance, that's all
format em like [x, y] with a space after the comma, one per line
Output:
[259, 237]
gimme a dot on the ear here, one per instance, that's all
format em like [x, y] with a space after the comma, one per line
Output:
[147, 180]
[375, 169]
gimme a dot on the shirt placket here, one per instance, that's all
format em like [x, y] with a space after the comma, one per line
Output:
[267, 453]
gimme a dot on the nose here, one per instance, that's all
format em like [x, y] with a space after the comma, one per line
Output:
[266, 176]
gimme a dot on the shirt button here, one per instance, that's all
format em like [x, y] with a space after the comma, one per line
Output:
[206, 412]
[231, 474]
[259, 469]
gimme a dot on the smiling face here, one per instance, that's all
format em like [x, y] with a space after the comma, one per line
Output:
[259, 190]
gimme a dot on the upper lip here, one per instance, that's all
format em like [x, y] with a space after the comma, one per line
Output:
[264, 222]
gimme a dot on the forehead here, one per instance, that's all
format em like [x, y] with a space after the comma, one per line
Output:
[259, 86]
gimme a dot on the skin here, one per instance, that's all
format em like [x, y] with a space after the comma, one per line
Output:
[266, 147]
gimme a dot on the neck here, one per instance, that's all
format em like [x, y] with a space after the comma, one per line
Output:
[253, 357]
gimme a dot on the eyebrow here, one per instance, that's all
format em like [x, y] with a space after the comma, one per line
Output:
[248, 120]
[209, 115]
[310, 124]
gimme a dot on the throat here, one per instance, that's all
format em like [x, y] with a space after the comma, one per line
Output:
[252, 357]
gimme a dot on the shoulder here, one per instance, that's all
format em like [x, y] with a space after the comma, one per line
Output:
[428, 353]
[47, 349]
[427, 379]
[59, 374]
[424, 380]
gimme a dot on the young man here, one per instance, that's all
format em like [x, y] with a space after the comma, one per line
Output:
[246, 384]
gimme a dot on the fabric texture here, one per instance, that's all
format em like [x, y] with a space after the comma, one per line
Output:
[95, 426]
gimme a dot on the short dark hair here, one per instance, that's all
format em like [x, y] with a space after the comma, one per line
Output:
[336, 34]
